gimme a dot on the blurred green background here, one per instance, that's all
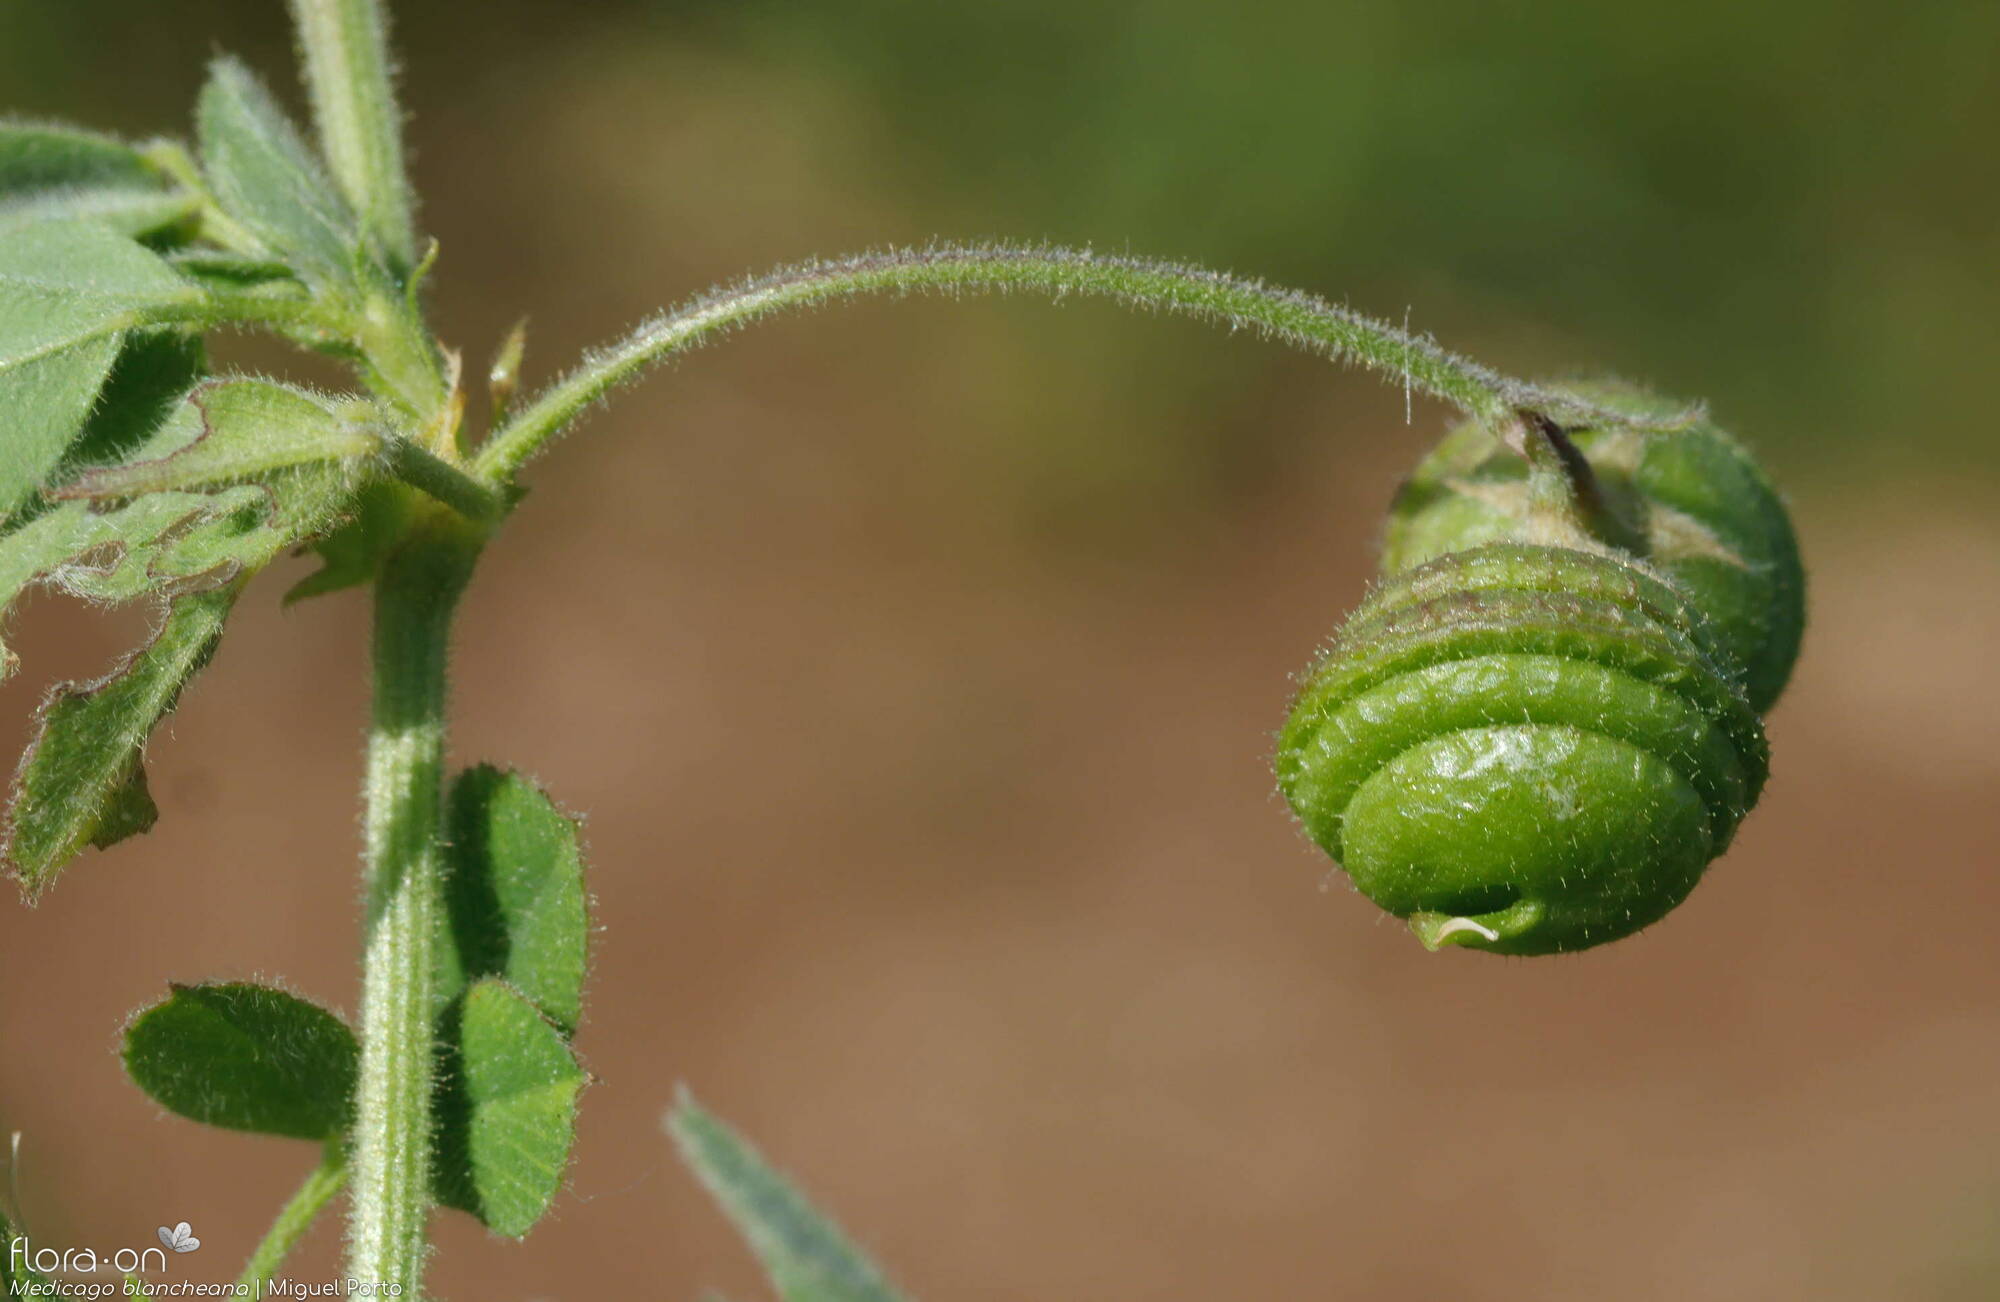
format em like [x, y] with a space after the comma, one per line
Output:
[917, 661]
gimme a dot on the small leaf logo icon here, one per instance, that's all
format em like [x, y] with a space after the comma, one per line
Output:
[180, 1238]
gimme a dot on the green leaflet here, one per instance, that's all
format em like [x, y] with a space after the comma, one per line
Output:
[81, 781]
[49, 156]
[805, 1254]
[505, 1107]
[265, 177]
[50, 172]
[250, 431]
[44, 402]
[245, 1057]
[514, 894]
[63, 283]
[68, 290]
[510, 970]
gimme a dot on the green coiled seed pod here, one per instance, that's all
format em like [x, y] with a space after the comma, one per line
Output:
[1541, 728]
[1690, 503]
[1523, 748]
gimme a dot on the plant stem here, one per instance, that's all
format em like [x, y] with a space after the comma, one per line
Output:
[475, 499]
[294, 1220]
[345, 43]
[1291, 317]
[414, 600]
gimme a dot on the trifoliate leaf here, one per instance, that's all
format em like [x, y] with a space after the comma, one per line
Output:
[514, 894]
[68, 291]
[50, 172]
[806, 1255]
[265, 177]
[517, 927]
[506, 1109]
[81, 781]
[245, 1057]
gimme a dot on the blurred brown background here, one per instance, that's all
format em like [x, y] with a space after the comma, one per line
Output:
[916, 665]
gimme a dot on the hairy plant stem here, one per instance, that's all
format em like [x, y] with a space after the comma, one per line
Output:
[414, 600]
[1288, 316]
[347, 74]
[475, 499]
[294, 1219]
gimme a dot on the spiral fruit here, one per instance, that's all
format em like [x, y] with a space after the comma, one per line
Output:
[1530, 748]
